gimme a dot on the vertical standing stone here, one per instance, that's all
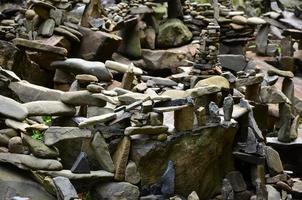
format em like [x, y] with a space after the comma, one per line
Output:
[201, 116]
[120, 158]
[262, 38]
[214, 113]
[285, 122]
[216, 11]
[288, 89]
[228, 104]
[261, 192]
[252, 92]
[128, 78]
[184, 118]
[168, 180]
[131, 45]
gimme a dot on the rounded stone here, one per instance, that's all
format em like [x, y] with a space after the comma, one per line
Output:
[30, 14]
[15, 145]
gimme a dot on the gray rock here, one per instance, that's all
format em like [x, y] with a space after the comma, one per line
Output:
[82, 98]
[30, 162]
[272, 193]
[161, 82]
[227, 190]
[101, 152]
[49, 108]
[116, 190]
[232, 62]
[12, 109]
[273, 161]
[270, 94]
[20, 126]
[55, 134]
[237, 181]
[132, 174]
[81, 164]
[80, 66]
[65, 190]
[167, 181]
[228, 104]
[99, 175]
[14, 181]
[28, 92]
[214, 113]
[148, 130]
[39, 149]
[202, 90]
[47, 28]
[97, 119]
[15, 145]
[255, 21]
[285, 122]
[173, 33]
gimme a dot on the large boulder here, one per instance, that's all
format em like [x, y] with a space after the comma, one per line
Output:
[173, 33]
[97, 45]
[209, 160]
[14, 182]
[168, 59]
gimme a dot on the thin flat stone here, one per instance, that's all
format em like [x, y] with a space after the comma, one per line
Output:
[112, 100]
[204, 90]
[65, 190]
[20, 126]
[97, 119]
[169, 108]
[30, 162]
[12, 109]
[67, 34]
[148, 130]
[82, 98]
[123, 68]
[93, 175]
[28, 92]
[35, 45]
[56, 134]
[102, 154]
[49, 108]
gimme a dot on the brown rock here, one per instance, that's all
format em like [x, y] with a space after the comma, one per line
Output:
[15, 145]
[120, 158]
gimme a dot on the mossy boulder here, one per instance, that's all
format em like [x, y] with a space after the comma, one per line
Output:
[173, 33]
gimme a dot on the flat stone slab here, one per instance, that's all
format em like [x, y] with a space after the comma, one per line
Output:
[28, 92]
[12, 109]
[35, 45]
[232, 62]
[49, 108]
[99, 175]
[79, 98]
[97, 119]
[30, 162]
[169, 108]
[148, 130]
[203, 90]
[273, 141]
[238, 111]
[56, 134]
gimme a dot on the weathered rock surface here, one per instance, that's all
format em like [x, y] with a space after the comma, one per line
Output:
[116, 190]
[208, 147]
[49, 108]
[30, 162]
[55, 134]
[12, 109]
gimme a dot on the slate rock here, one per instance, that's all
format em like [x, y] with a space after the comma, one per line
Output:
[38, 148]
[237, 181]
[12, 109]
[15, 145]
[232, 62]
[167, 180]
[28, 92]
[132, 174]
[228, 104]
[273, 161]
[102, 154]
[81, 165]
[47, 28]
[80, 66]
[49, 108]
[120, 158]
[214, 80]
[29, 162]
[14, 181]
[97, 119]
[81, 98]
[55, 134]
[65, 190]
[173, 33]
[148, 130]
[116, 190]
